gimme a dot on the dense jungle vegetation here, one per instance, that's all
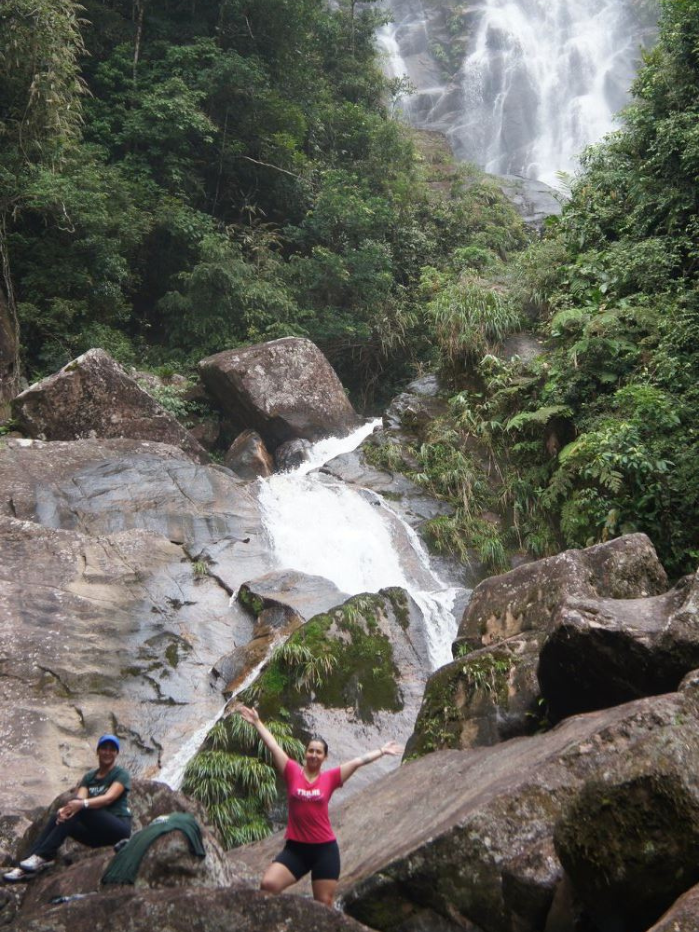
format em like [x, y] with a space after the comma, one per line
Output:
[178, 178]
[597, 436]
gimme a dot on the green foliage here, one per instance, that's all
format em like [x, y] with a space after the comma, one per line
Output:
[596, 437]
[232, 175]
[234, 778]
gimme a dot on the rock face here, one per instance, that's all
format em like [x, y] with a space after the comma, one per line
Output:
[417, 406]
[362, 682]
[683, 916]
[281, 601]
[528, 597]
[117, 560]
[473, 835]
[541, 661]
[284, 390]
[486, 697]
[188, 910]
[93, 397]
[248, 456]
[603, 652]
[167, 863]
[291, 455]
[306, 595]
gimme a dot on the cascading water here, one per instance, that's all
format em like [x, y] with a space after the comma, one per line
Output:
[320, 526]
[540, 79]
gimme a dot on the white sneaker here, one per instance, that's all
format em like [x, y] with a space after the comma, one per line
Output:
[34, 864]
[15, 874]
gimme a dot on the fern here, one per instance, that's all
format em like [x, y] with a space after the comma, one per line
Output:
[539, 417]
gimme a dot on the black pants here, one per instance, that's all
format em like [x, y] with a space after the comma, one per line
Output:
[91, 827]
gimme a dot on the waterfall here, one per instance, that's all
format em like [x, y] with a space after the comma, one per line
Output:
[320, 526]
[540, 79]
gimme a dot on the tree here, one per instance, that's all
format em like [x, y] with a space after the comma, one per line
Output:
[40, 117]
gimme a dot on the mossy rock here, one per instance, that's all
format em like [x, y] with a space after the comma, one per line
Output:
[339, 659]
[485, 697]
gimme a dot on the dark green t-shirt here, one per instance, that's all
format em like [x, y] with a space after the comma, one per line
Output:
[98, 786]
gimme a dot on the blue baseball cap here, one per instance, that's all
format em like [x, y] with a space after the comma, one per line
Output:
[109, 739]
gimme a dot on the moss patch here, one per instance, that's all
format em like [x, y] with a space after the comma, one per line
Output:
[399, 602]
[252, 602]
[451, 694]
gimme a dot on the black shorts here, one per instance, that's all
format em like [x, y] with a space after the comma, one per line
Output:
[300, 857]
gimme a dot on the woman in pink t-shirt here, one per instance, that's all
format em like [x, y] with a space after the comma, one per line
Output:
[310, 841]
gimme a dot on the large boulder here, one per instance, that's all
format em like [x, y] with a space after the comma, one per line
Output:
[187, 910]
[307, 595]
[499, 688]
[283, 390]
[487, 696]
[528, 597]
[354, 675]
[92, 396]
[281, 602]
[603, 652]
[470, 834]
[167, 863]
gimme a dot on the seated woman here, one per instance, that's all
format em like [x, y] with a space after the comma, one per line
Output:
[98, 815]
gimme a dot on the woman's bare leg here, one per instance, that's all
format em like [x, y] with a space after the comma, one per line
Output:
[324, 891]
[277, 878]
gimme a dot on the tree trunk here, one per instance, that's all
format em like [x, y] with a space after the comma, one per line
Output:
[138, 11]
[9, 329]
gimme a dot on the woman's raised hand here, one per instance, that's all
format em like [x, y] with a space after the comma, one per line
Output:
[392, 748]
[251, 716]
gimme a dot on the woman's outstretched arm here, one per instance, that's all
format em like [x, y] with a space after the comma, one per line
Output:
[252, 717]
[348, 768]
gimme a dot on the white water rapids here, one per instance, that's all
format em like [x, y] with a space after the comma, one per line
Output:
[539, 80]
[322, 527]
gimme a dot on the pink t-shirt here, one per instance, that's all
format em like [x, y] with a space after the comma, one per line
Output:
[308, 804]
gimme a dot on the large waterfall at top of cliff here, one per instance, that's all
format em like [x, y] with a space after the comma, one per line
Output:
[518, 86]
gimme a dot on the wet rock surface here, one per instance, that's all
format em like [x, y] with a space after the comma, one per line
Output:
[533, 200]
[118, 559]
[284, 390]
[306, 595]
[93, 396]
[96, 633]
[291, 455]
